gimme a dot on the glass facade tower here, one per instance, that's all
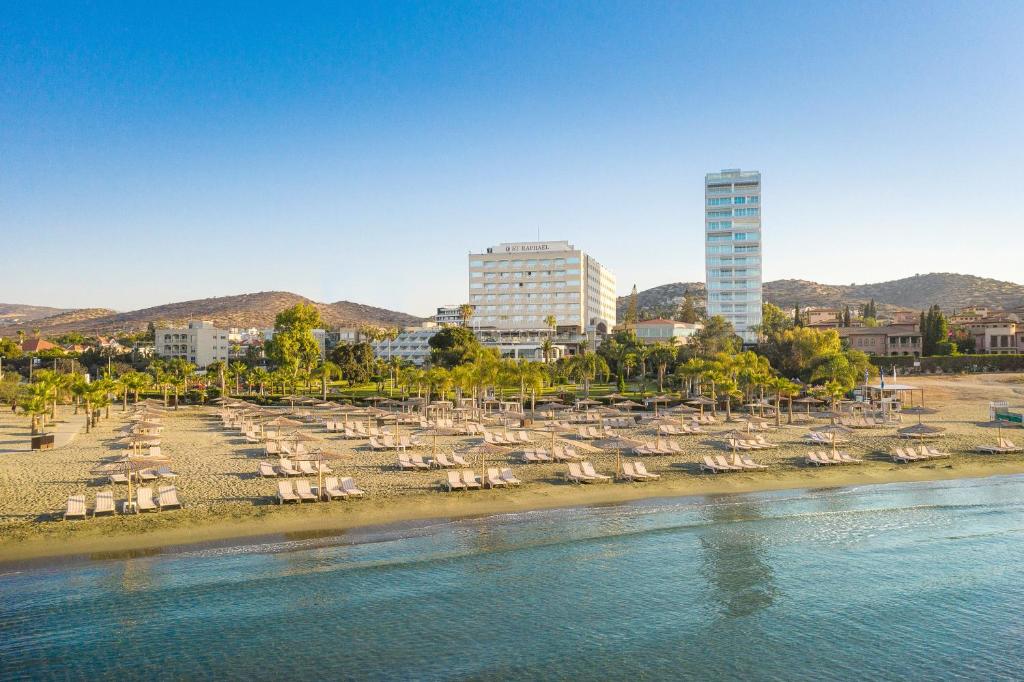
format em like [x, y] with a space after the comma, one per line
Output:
[732, 248]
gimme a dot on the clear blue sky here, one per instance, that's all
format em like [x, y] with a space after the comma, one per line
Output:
[359, 150]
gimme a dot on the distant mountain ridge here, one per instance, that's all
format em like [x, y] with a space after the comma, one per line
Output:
[26, 313]
[950, 291]
[243, 310]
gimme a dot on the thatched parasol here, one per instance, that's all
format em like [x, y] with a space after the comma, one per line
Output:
[130, 464]
[920, 431]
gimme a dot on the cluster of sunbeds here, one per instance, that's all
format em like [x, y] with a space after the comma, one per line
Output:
[413, 462]
[751, 443]
[583, 472]
[704, 419]
[862, 422]
[718, 463]
[301, 490]
[466, 479]
[511, 438]
[816, 438]
[921, 453]
[680, 429]
[76, 505]
[637, 471]
[594, 432]
[285, 467]
[558, 454]
[1003, 446]
[389, 442]
[662, 446]
[825, 458]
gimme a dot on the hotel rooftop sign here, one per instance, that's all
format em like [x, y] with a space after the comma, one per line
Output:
[531, 247]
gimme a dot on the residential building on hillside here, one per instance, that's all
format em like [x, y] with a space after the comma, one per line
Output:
[890, 340]
[664, 331]
[999, 333]
[517, 286]
[822, 317]
[967, 315]
[449, 314]
[199, 343]
[36, 345]
[733, 248]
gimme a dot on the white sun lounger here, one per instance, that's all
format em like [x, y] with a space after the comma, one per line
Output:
[641, 469]
[144, 500]
[332, 490]
[75, 507]
[588, 469]
[104, 503]
[304, 490]
[286, 493]
[494, 479]
[574, 474]
[509, 477]
[349, 486]
[167, 497]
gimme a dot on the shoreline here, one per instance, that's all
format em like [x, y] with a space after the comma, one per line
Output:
[330, 519]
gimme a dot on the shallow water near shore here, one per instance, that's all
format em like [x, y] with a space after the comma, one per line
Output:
[922, 580]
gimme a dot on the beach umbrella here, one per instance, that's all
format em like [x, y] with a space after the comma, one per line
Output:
[130, 464]
[628, 404]
[808, 400]
[483, 450]
[919, 410]
[319, 455]
[552, 428]
[701, 402]
[282, 421]
[920, 431]
[618, 443]
[833, 431]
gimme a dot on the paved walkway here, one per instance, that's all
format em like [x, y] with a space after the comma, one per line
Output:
[67, 428]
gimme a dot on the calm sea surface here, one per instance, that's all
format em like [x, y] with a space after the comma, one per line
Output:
[914, 581]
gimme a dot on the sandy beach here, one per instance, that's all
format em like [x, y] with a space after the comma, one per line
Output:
[224, 498]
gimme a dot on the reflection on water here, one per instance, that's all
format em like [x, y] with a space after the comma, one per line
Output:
[794, 585]
[735, 561]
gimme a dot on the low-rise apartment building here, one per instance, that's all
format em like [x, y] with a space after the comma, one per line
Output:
[664, 331]
[890, 340]
[199, 343]
[1000, 334]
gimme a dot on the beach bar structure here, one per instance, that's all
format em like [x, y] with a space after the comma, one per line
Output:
[885, 396]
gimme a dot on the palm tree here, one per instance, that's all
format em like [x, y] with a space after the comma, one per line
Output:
[35, 403]
[257, 376]
[547, 347]
[784, 388]
[237, 370]
[662, 354]
[326, 372]
[586, 366]
[465, 312]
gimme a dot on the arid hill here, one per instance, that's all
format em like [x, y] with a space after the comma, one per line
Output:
[950, 291]
[244, 310]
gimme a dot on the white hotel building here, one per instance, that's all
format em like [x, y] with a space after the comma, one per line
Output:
[732, 234]
[516, 286]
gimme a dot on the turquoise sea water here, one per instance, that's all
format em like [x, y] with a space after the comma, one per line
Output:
[910, 581]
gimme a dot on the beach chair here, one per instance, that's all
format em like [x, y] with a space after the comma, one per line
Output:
[285, 468]
[167, 497]
[523, 437]
[813, 458]
[751, 464]
[75, 508]
[306, 467]
[272, 447]
[572, 454]
[459, 460]
[404, 463]
[419, 462]
[304, 490]
[901, 457]
[763, 442]
[588, 469]
[1008, 445]
[645, 449]
[708, 464]
[147, 475]
[441, 461]
[119, 478]
[144, 500]
[847, 459]
[286, 493]
[629, 474]
[266, 470]
[584, 434]
[542, 455]
[575, 475]
[469, 479]
[104, 503]
[376, 444]
[494, 480]
[332, 490]
[641, 470]
[454, 482]
[529, 457]
[724, 465]
[934, 453]
[509, 477]
[165, 472]
[349, 486]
